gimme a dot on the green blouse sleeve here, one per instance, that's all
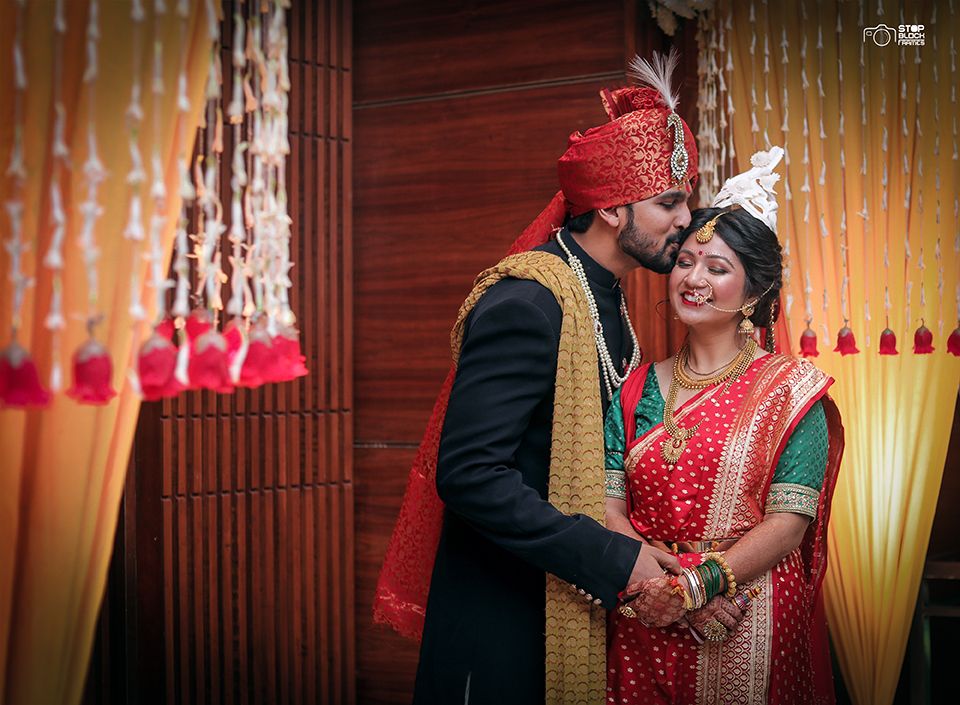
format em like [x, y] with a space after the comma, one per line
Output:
[798, 479]
[614, 445]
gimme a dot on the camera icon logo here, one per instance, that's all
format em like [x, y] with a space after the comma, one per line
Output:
[881, 34]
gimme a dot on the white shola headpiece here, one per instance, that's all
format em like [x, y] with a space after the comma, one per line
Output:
[753, 189]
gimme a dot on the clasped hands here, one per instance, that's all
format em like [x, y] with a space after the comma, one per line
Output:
[658, 595]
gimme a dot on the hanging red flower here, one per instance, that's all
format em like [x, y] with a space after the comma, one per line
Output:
[289, 361]
[259, 366]
[166, 328]
[19, 382]
[156, 363]
[846, 342]
[808, 343]
[92, 373]
[198, 322]
[233, 334]
[953, 342]
[922, 341]
[208, 367]
[888, 342]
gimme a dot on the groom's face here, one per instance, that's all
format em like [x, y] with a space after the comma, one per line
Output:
[652, 229]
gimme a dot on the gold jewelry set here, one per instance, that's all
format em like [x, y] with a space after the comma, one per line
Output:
[673, 447]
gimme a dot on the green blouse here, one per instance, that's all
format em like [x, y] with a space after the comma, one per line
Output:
[797, 480]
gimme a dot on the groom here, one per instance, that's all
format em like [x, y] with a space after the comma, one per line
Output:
[623, 201]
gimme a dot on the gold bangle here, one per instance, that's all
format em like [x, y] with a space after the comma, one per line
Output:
[722, 562]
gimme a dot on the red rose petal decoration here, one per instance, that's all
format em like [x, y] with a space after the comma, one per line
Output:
[846, 342]
[923, 341]
[888, 342]
[289, 361]
[198, 323]
[234, 335]
[156, 363]
[92, 373]
[953, 342]
[808, 343]
[19, 382]
[166, 328]
[208, 367]
[260, 362]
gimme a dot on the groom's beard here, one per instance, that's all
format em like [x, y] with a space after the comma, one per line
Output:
[643, 247]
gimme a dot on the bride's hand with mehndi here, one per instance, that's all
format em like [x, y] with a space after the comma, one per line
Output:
[718, 611]
[656, 602]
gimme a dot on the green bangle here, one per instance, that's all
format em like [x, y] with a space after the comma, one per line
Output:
[708, 576]
[713, 578]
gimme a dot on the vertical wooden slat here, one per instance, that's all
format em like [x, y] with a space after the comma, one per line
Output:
[211, 527]
[185, 593]
[309, 611]
[169, 608]
[256, 645]
[226, 598]
[195, 533]
[295, 583]
[321, 576]
[348, 644]
[244, 666]
[280, 572]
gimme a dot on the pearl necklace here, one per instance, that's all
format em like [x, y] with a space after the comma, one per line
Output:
[611, 378]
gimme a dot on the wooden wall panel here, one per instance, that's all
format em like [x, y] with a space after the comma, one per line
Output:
[386, 662]
[436, 207]
[454, 46]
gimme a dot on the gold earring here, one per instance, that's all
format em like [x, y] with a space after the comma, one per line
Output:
[746, 325]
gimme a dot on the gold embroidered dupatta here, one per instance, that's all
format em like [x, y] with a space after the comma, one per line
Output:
[575, 665]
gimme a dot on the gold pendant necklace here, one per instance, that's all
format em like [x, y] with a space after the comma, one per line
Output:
[673, 447]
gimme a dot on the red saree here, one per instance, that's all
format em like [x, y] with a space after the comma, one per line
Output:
[779, 654]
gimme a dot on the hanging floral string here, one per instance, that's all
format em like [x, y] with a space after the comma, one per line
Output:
[53, 259]
[707, 131]
[208, 366]
[788, 194]
[938, 253]
[19, 381]
[731, 151]
[808, 339]
[92, 367]
[136, 176]
[754, 125]
[156, 359]
[767, 107]
[953, 342]
[250, 352]
[277, 148]
[723, 124]
[846, 343]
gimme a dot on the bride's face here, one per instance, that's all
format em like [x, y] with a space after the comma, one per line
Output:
[712, 273]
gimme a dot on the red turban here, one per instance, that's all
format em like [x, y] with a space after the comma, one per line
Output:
[629, 158]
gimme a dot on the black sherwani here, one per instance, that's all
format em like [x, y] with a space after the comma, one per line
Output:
[483, 641]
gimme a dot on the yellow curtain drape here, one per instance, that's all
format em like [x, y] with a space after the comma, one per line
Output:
[873, 178]
[63, 467]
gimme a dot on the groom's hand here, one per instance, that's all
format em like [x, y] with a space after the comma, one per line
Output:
[652, 562]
